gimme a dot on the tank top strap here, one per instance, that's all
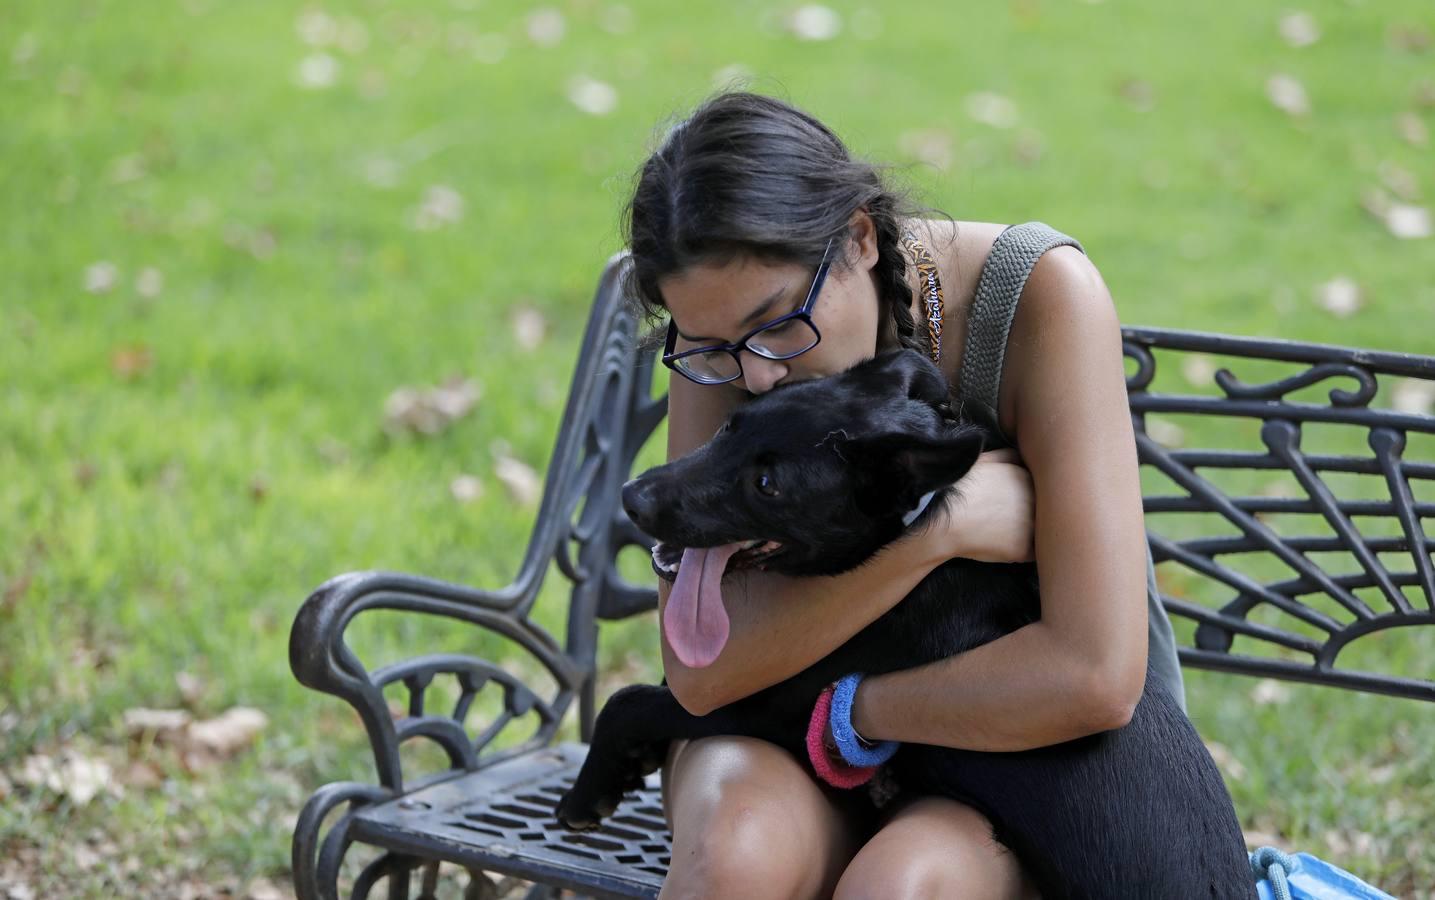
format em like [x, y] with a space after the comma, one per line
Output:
[992, 311]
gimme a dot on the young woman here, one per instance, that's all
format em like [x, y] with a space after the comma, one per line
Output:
[728, 223]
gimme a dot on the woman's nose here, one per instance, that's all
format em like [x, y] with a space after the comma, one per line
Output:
[760, 374]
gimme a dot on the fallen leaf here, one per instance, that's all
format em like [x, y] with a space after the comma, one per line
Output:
[1408, 38]
[316, 28]
[1167, 434]
[317, 71]
[131, 362]
[1340, 296]
[229, 732]
[161, 724]
[1299, 29]
[490, 48]
[441, 205]
[1288, 95]
[191, 688]
[992, 109]
[1268, 691]
[529, 327]
[616, 19]
[546, 26]
[100, 277]
[1198, 369]
[932, 146]
[596, 98]
[814, 22]
[149, 282]
[263, 889]
[466, 488]
[522, 482]
[1412, 130]
[430, 410]
[1400, 180]
[1415, 396]
[73, 775]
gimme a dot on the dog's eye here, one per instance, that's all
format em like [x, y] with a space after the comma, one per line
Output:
[766, 484]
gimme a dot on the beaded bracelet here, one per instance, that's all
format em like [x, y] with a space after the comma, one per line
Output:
[840, 721]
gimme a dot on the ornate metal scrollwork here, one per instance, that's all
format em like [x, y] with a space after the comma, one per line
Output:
[1292, 599]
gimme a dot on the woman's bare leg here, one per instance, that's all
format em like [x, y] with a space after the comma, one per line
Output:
[748, 821]
[934, 847]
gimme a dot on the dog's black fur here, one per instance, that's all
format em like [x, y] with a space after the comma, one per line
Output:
[1139, 811]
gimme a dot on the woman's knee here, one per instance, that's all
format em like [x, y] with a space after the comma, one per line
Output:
[748, 822]
[933, 848]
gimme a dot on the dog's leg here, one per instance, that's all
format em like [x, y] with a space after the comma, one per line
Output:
[630, 739]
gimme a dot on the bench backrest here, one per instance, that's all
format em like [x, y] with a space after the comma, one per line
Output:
[1260, 560]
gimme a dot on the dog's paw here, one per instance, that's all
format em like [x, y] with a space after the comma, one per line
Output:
[578, 811]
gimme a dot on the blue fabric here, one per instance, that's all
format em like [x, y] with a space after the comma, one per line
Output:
[1281, 876]
[840, 720]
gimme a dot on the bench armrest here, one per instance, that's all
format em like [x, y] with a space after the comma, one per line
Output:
[321, 659]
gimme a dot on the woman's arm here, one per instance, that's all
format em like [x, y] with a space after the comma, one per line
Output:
[780, 625]
[1081, 669]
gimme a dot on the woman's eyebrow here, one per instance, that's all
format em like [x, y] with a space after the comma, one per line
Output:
[753, 316]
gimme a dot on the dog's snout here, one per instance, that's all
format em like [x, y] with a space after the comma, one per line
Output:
[638, 502]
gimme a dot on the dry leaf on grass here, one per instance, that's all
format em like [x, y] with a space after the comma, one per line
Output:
[523, 484]
[1268, 691]
[100, 277]
[594, 97]
[1198, 369]
[1288, 95]
[466, 488]
[1415, 396]
[814, 22]
[1403, 220]
[69, 774]
[1340, 296]
[430, 410]
[992, 109]
[529, 327]
[441, 206]
[546, 27]
[1299, 29]
[1411, 129]
[932, 146]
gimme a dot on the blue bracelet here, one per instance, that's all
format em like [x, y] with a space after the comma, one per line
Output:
[840, 719]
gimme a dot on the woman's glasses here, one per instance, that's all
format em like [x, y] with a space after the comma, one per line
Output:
[782, 338]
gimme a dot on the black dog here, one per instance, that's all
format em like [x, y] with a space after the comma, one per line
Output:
[813, 478]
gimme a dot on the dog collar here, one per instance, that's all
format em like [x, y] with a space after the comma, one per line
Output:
[911, 517]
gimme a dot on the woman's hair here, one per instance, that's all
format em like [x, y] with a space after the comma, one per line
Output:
[749, 175]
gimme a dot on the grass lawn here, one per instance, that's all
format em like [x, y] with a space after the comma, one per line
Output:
[229, 231]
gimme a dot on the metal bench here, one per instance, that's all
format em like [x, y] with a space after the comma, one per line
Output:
[1282, 585]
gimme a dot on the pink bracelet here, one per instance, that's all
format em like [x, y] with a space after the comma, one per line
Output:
[836, 773]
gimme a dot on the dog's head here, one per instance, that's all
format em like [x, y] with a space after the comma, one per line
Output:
[810, 478]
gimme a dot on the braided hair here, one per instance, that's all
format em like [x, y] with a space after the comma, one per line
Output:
[752, 176]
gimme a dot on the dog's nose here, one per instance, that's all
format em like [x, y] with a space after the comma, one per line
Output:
[638, 502]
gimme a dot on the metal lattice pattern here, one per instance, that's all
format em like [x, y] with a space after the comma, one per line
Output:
[500, 819]
[1344, 562]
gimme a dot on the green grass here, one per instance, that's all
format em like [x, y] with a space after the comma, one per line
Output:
[173, 519]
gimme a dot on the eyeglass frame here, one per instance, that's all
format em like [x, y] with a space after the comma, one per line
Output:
[803, 312]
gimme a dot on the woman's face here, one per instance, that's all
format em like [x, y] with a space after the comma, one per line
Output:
[714, 303]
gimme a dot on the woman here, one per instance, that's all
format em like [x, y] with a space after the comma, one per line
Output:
[727, 224]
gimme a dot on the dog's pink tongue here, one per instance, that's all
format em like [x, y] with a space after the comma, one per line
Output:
[694, 619]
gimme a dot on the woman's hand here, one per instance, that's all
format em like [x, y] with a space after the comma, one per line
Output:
[991, 516]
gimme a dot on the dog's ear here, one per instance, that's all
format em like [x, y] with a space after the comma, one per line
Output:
[894, 470]
[917, 377]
